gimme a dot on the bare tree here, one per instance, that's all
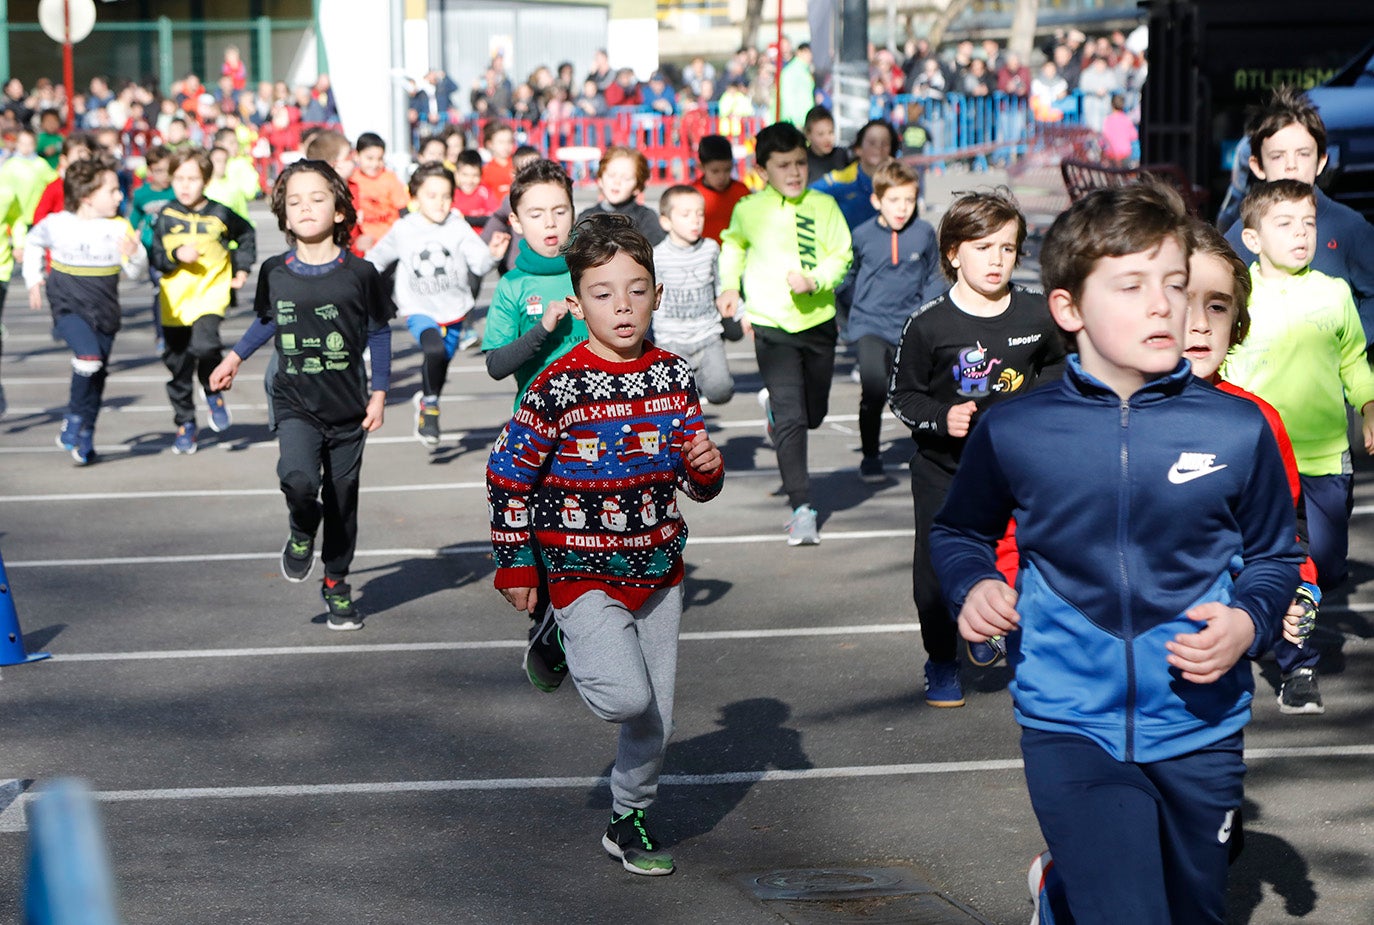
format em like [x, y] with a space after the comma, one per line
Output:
[1023, 28]
[753, 18]
[943, 21]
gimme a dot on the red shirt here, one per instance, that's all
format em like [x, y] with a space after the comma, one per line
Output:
[720, 206]
[497, 177]
[51, 201]
[478, 202]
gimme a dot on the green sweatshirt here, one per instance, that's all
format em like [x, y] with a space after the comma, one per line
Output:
[1305, 355]
[27, 177]
[146, 202]
[518, 305]
[770, 236]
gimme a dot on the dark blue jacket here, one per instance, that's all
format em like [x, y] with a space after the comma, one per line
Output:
[888, 277]
[1345, 250]
[1128, 513]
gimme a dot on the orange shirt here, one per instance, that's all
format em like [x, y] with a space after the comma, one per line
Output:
[720, 206]
[380, 200]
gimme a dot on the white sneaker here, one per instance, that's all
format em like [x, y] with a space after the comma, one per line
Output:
[767, 415]
[802, 529]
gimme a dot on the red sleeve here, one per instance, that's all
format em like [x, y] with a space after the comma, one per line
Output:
[1008, 558]
[51, 201]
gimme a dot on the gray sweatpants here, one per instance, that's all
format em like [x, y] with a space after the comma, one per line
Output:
[624, 664]
[709, 366]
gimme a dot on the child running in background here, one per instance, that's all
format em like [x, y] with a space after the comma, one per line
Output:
[982, 341]
[204, 251]
[499, 171]
[896, 260]
[222, 189]
[1305, 355]
[436, 250]
[787, 247]
[378, 194]
[585, 479]
[323, 307]
[852, 186]
[75, 147]
[621, 176]
[688, 322]
[822, 154]
[1143, 588]
[500, 222]
[472, 200]
[147, 201]
[717, 184]
[90, 245]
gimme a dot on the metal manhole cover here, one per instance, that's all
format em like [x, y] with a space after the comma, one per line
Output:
[834, 883]
[921, 909]
[857, 895]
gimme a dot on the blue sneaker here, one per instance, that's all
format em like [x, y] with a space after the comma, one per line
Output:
[185, 442]
[84, 451]
[942, 684]
[219, 412]
[71, 429]
[989, 653]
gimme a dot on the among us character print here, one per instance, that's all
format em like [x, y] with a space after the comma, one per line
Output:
[974, 369]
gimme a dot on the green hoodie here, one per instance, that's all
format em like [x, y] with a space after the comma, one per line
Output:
[27, 178]
[770, 236]
[518, 305]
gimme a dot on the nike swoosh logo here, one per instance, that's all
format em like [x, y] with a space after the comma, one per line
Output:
[1178, 478]
[1224, 833]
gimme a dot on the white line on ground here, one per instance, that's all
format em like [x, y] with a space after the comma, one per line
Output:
[869, 629]
[419, 552]
[11, 820]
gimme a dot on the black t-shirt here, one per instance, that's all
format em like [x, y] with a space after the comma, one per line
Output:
[947, 357]
[322, 327]
[818, 165]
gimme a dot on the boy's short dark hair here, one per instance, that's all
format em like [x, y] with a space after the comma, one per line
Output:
[1286, 106]
[78, 140]
[494, 128]
[431, 140]
[192, 155]
[328, 145]
[469, 158]
[343, 199]
[817, 114]
[976, 215]
[891, 174]
[83, 178]
[369, 140]
[672, 193]
[715, 148]
[525, 152]
[778, 138]
[1260, 197]
[1111, 222]
[894, 140]
[223, 133]
[156, 155]
[1206, 239]
[428, 171]
[541, 171]
[598, 238]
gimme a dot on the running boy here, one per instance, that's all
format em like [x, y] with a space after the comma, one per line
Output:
[472, 200]
[591, 465]
[1288, 141]
[499, 172]
[980, 342]
[788, 248]
[436, 249]
[896, 260]
[717, 184]
[204, 252]
[323, 307]
[822, 154]
[378, 194]
[852, 186]
[528, 324]
[1305, 356]
[90, 244]
[621, 176]
[147, 201]
[688, 322]
[1135, 488]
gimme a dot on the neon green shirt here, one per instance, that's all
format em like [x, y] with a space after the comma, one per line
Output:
[770, 236]
[1305, 355]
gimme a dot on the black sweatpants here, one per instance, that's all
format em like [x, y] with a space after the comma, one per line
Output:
[319, 476]
[875, 373]
[190, 354]
[796, 370]
[939, 632]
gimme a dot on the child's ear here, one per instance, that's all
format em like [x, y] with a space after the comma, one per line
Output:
[1256, 169]
[665, 225]
[873, 198]
[515, 223]
[574, 306]
[1251, 239]
[658, 296]
[1064, 310]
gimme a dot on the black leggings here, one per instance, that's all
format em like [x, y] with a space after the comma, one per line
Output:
[434, 369]
[796, 370]
[875, 371]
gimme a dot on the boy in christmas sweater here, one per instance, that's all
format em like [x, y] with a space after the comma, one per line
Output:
[585, 478]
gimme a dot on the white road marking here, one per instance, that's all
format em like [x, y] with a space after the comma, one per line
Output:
[11, 820]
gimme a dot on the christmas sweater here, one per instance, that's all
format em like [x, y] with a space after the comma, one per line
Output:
[589, 468]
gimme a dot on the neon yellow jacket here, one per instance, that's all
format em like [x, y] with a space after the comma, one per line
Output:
[1305, 355]
[770, 236]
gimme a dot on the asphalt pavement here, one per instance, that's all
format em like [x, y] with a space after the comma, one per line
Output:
[251, 766]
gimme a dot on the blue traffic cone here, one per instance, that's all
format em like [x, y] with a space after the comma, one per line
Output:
[12, 650]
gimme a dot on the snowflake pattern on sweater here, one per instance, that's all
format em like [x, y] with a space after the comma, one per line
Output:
[590, 466]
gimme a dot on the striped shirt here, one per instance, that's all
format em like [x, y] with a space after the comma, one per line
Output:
[687, 314]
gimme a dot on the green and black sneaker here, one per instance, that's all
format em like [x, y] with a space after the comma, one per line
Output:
[298, 557]
[545, 664]
[628, 839]
[342, 614]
